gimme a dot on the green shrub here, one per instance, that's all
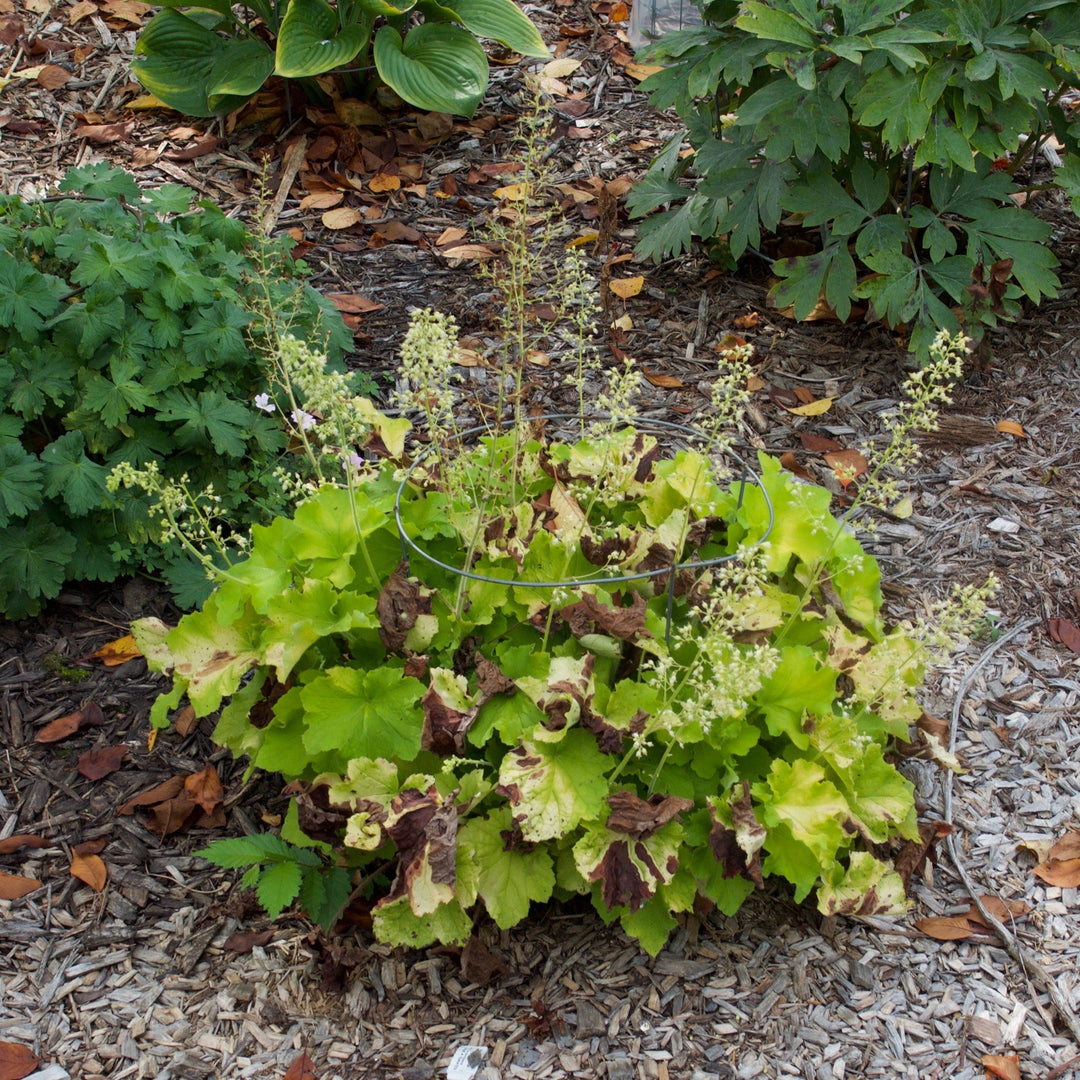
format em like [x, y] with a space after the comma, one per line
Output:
[213, 57]
[894, 133]
[131, 330]
[499, 739]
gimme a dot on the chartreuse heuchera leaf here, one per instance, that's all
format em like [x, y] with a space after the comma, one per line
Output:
[896, 135]
[133, 330]
[497, 746]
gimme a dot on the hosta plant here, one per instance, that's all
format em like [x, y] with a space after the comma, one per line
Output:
[890, 142]
[625, 677]
[132, 330]
[213, 56]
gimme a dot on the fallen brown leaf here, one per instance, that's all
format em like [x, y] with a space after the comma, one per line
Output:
[185, 721]
[791, 463]
[105, 134]
[1065, 632]
[53, 76]
[747, 322]
[90, 715]
[301, 1068]
[204, 789]
[98, 763]
[1002, 1066]
[669, 382]
[21, 840]
[949, 927]
[353, 303]
[624, 288]
[479, 964]
[243, 941]
[91, 870]
[1010, 427]
[12, 886]
[172, 815]
[90, 847]
[1062, 865]
[847, 464]
[818, 444]
[16, 1061]
[169, 789]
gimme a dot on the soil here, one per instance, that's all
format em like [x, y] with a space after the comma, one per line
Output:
[985, 498]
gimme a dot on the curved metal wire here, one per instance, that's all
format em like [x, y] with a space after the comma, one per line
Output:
[408, 543]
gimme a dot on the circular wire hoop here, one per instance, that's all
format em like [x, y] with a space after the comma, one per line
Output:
[748, 475]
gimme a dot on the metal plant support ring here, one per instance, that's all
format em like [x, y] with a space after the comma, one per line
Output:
[408, 544]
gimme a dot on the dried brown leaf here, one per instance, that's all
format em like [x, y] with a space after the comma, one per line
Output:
[53, 76]
[16, 1061]
[243, 941]
[12, 886]
[90, 715]
[105, 134]
[1065, 632]
[21, 840]
[91, 870]
[204, 789]
[301, 1068]
[949, 927]
[118, 652]
[479, 964]
[1002, 1066]
[668, 382]
[847, 464]
[790, 462]
[101, 761]
[159, 793]
[818, 444]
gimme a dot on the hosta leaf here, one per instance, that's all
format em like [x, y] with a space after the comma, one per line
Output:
[439, 67]
[238, 74]
[310, 42]
[179, 60]
[501, 20]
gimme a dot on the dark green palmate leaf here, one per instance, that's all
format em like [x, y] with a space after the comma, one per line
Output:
[438, 66]
[191, 68]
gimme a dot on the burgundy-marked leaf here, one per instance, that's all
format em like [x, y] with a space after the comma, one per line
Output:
[448, 714]
[624, 623]
[12, 886]
[424, 830]
[21, 840]
[1065, 633]
[98, 763]
[243, 941]
[401, 602]
[16, 1061]
[633, 815]
[90, 715]
[91, 870]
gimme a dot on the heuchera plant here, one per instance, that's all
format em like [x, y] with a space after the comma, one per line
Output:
[467, 743]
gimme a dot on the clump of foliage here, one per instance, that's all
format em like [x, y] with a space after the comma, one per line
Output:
[214, 56]
[894, 134]
[705, 702]
[133, 329]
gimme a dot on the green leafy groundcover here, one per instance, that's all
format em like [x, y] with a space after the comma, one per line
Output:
[130, 331]
[495, 745]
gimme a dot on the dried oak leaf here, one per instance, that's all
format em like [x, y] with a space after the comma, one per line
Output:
[633, 815]
[90, 715]
[16, 1061]
[100, 762]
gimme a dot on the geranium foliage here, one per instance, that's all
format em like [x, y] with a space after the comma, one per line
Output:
[497, 745]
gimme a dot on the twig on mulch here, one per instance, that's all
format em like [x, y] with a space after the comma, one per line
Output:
[1028, 964]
